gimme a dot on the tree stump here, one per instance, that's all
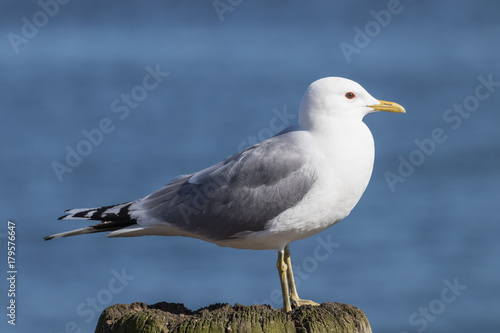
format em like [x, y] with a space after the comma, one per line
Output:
[173, 317]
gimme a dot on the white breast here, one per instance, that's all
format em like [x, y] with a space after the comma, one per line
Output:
[343, 163]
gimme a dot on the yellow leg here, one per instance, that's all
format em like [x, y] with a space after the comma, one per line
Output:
[282, 271]
[294, 296]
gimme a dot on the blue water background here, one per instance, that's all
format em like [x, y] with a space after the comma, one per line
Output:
[229, 75]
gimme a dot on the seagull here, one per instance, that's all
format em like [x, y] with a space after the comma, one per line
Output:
[292, 186]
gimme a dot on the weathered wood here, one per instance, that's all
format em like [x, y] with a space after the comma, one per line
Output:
[172, 317]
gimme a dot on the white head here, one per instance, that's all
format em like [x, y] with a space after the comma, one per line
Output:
[335, 98]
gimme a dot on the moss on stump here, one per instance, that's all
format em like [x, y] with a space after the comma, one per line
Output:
[172, 317]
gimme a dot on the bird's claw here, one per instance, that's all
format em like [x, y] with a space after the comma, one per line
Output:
[299, 302]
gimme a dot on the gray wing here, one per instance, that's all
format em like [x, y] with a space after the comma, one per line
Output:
[241, 193]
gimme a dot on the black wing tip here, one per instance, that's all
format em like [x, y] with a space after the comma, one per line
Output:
[48, 238]
[66, 214]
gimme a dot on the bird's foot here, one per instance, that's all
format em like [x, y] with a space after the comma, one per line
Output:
[299, 302]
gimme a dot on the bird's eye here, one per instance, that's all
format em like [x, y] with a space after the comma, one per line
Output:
[350, 95]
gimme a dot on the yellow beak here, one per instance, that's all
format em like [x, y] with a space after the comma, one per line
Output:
[388, 106]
